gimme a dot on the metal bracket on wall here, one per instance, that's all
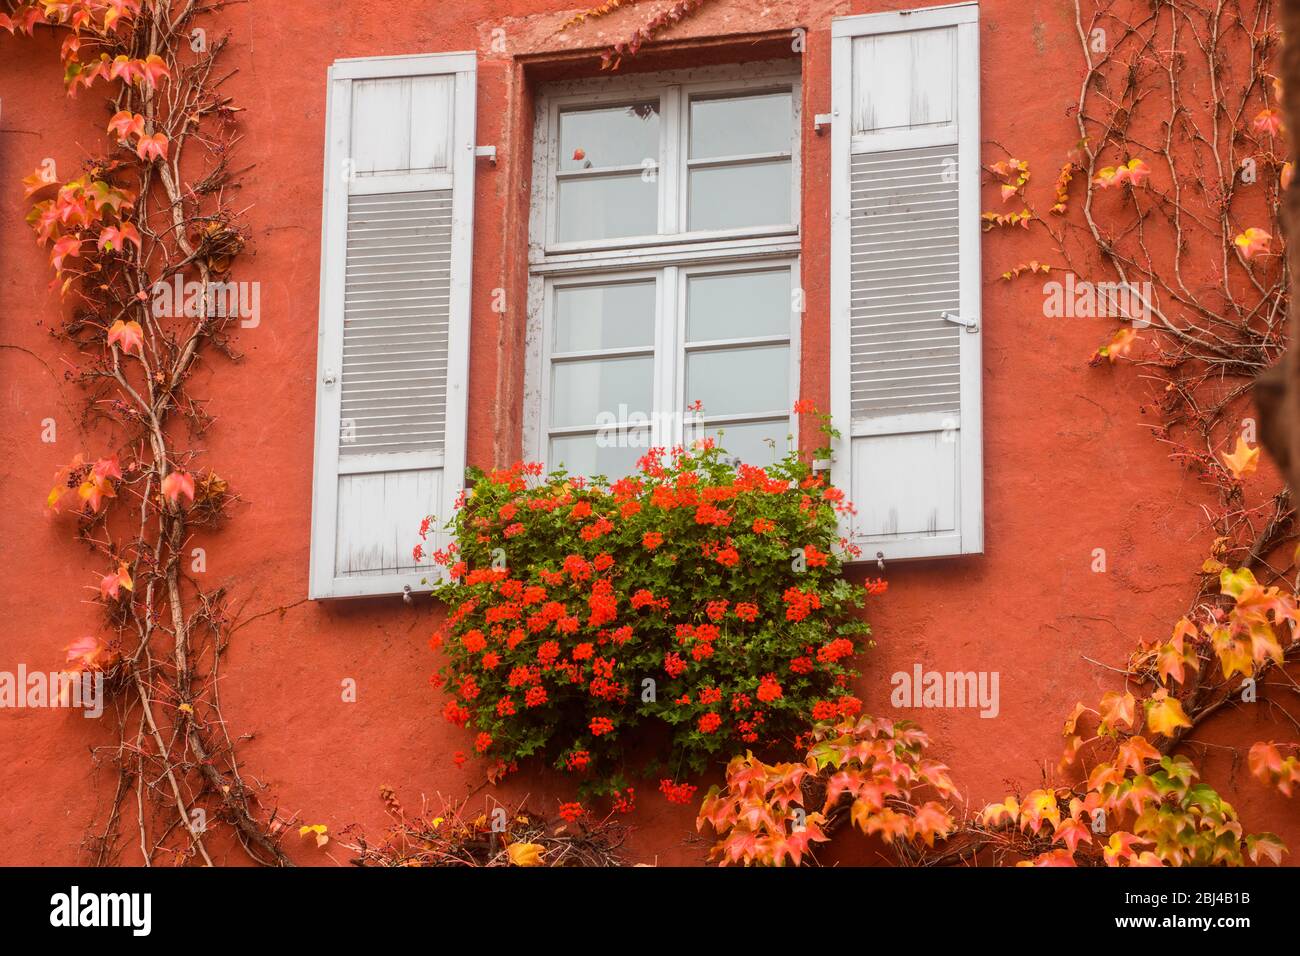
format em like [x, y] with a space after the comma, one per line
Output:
[487, 152]
[821, 121]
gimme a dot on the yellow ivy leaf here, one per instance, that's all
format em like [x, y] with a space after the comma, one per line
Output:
[1165, 715]
[525, 854]
[1243, 461]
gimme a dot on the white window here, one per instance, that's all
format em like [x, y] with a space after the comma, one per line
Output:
[905, 280]
[394, 317]
[664, 267]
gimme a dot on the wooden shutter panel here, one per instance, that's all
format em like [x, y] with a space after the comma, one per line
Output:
[394, 317]
[905, 232]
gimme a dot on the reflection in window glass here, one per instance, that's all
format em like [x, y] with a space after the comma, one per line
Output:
[755, 443]
[616, 316]
[740, 381]
[604, 138]
[735, 306]
[615, 457]
[607, 207]
[739, 196]
[587, 392]
[742, 126]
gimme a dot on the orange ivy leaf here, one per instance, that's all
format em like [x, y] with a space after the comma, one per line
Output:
[178, 483]
[1072, 833]
[125, 124]
[115, 238]
[1252, 242]
[1121, 343]
[1133, 754]
[1051, 858]
[152, 147]
[1135, 172]
[1265, 844]
[1268, 122]
[128, 336]
[1243, 461]
[1117, 708]
[931, 820]
[110, 585]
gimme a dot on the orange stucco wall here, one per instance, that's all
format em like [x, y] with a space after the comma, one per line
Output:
[1070, 466]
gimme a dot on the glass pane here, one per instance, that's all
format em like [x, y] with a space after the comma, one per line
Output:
[756, 443]
[742, 126]
[591, 393]
[738, 306]
[737, 381]
[731, 197]
[589, 455]
[608, 207]
[616, 136]
[615, 316]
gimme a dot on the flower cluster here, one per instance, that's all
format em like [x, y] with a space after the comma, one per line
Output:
[698, 597]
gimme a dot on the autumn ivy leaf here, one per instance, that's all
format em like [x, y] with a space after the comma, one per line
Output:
[1243, 461]
[1120, 847]
[1165, 714]
[1268, 122]
[1072, 833]
[995, 813]
[1265, 845]
[151, 148]
[84, 652]
[931, 820]
[1133, 754]
[1252, 242]
[111, 585]
[1118, 708]
[128, 336]
[126, 124]
[176, 484]
[319, 830]
[1121, 343]
[525, 854]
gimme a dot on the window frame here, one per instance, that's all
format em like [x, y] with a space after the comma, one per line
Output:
[668, 258]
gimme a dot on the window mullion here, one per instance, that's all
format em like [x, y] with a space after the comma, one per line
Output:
[670, 162]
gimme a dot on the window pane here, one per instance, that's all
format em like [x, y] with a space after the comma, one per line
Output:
[620, 315]
[732, 197]
[750, 441]
[590, 455]
[617, 136]
[739, 381]
[608, 207]
[738, 306]
[742, 126]
[589, 393]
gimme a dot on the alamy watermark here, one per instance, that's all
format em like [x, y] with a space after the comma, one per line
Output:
[1079, 299]
[225, 300]
[946, 689]
[83, 690]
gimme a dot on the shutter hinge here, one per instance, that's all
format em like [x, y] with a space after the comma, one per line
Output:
[822, 120]
[970, 325]
[486, 152]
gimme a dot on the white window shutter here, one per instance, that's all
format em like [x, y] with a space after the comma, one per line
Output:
[905, 228]
[393, 350]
